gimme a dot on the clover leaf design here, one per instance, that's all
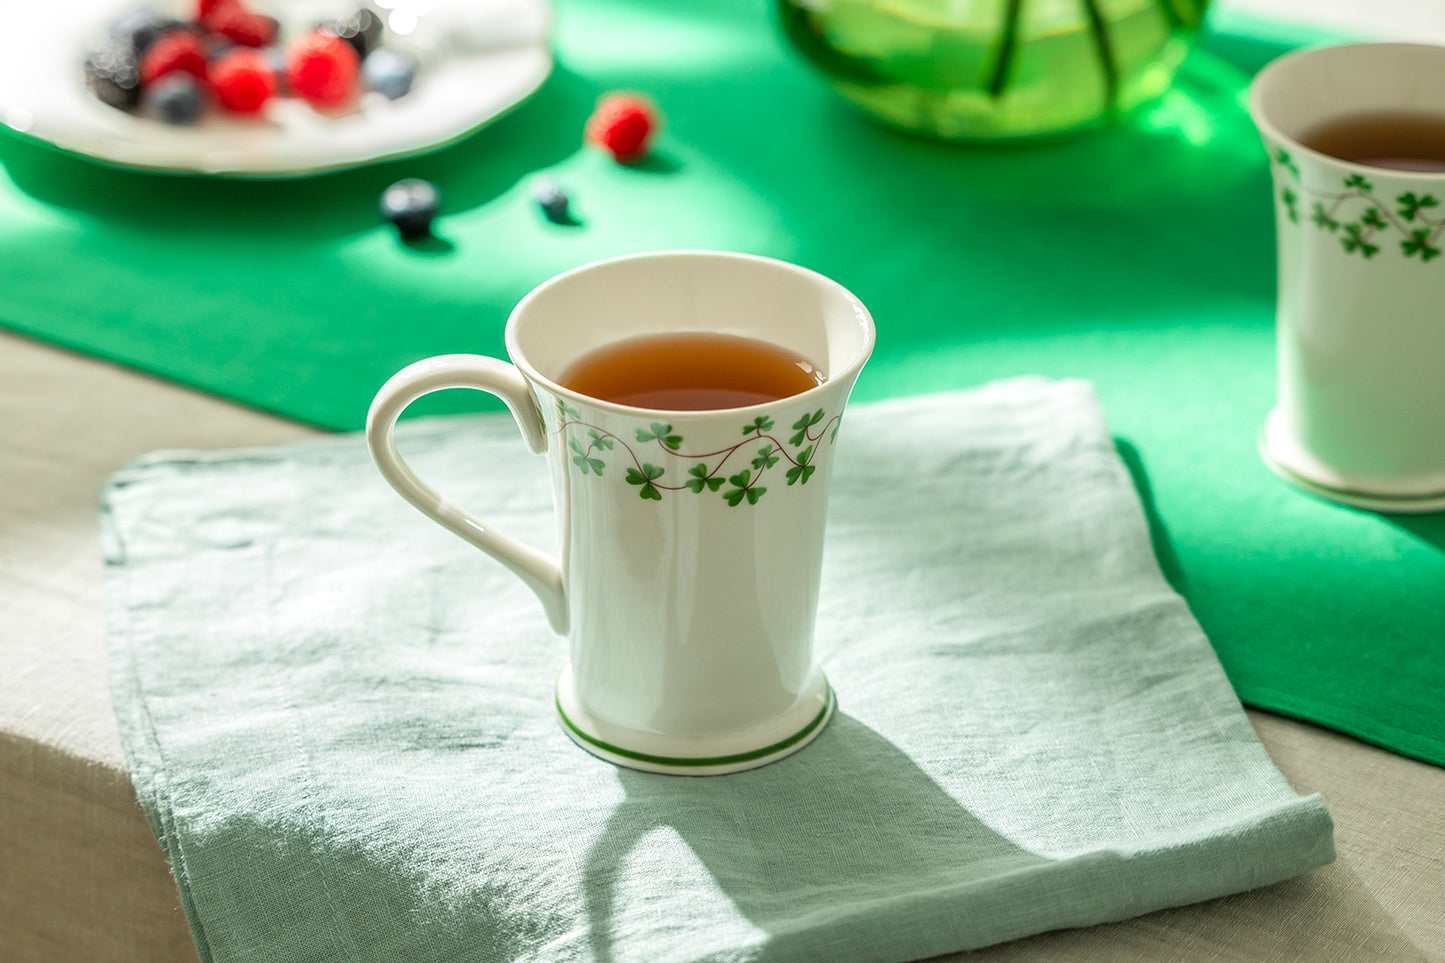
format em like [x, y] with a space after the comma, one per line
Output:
[744, 486]
[646, 477]
[1411, 205]
[660, 433]
[802, 425]
[1419, 243]
[582, 459]
[701, 480]
[758, 425]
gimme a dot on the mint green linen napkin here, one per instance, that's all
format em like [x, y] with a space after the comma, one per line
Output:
[339, 717]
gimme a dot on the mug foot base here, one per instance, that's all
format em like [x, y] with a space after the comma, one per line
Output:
[696, 755]
[1287, 459]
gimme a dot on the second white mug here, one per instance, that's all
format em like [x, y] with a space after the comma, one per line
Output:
[1360, 332]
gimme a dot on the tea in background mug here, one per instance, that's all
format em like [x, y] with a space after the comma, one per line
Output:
[691, 540]
[1360, 414]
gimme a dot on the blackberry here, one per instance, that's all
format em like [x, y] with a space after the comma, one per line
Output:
[143, 26]
[388, 72]
[175, 98]
[112, 72]
[361, 29]
[411, 204]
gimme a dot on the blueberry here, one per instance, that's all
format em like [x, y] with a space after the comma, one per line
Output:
[176, 98]
[553, 201]
[388, 72]
[411, 204]
[112, 72]
[361, 29]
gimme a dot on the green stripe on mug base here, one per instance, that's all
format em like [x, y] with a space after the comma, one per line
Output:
[693, 763]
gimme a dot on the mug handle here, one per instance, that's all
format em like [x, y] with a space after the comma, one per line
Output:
[539, 571]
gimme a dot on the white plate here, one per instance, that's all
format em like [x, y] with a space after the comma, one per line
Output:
[478, 59]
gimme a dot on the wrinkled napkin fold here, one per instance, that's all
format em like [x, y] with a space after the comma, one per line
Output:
[339, 717]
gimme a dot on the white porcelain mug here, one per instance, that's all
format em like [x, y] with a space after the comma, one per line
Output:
[691, 541]
[1360, 413]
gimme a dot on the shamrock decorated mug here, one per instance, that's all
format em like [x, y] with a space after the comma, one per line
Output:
[1356, 141]
[691, 540]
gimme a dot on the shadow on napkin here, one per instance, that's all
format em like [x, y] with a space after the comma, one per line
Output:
[866, 812]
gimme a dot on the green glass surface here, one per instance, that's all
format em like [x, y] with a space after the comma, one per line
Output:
[993, 69]
[1139, 256]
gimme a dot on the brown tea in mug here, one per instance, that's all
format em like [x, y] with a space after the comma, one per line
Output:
[693, 371]
[1398, 140]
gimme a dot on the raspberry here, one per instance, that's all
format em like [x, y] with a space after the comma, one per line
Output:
[623, 124]
[205, 8]
[322, 69]
[243, 81]
[177, 50]
[239, 25]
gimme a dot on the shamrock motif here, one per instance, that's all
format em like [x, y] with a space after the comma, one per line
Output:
[1282, 158]
[1419, 243]
[744, 486]
[701, 479]
[1289, 198]
[646, 478]
[802, 425]
[660, 433]
[802, 471]
[1410, 205]
[582, 459]
[759, 425]
[1355, 240]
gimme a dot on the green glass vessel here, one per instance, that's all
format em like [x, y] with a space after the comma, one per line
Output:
[993, 69]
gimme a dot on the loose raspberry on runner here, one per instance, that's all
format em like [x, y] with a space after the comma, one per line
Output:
[624, 125]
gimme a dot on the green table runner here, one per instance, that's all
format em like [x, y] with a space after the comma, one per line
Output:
[1140, 257]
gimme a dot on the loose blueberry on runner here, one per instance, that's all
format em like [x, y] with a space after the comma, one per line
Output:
[411, 205]
[553, 201]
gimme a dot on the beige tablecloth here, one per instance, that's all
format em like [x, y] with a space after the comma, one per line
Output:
[81, 875]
